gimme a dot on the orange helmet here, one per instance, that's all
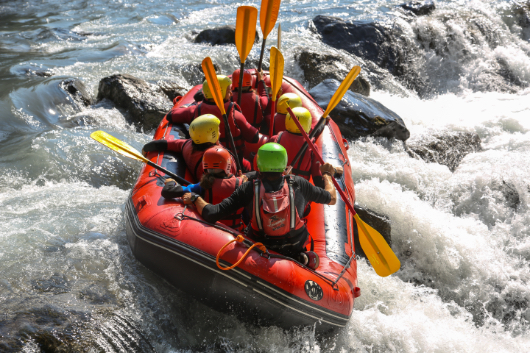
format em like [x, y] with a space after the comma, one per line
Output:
[248, 79]
[217, 158]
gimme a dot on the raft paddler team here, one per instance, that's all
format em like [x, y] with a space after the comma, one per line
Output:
[279, 202]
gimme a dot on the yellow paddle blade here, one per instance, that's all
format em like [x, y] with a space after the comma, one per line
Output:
[279, 36]
[376, 249]
[117, 145]
[276, 71]
[339, 93]
[213, 84]
[268, 15]
[247, 17]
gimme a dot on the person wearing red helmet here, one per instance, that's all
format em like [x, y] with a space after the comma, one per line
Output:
[252, 103]
[217, 183]
[204, 133]
[239, 127]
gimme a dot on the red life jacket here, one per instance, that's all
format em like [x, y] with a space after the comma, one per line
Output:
[274, 214]
[193, 159]
[234, 129]
[292, 144]
[250, 107]
[221, 189]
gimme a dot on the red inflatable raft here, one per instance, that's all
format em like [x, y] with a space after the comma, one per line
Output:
[172, 241]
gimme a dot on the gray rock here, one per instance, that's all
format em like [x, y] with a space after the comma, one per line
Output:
[219, 36]
[446, 148]
[171, 89]
[358, 116]
[375, 220]
[77, 90]
[389, 47]
[419, 8]
[145, 104]
[193, 73]
[521, 15]
[318, 67]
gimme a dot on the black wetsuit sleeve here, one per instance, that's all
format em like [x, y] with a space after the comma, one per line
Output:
[252, 175]
[172, 190]
[241, 197]
[312, 193]
[157, 145]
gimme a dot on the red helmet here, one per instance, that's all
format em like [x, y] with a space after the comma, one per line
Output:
[248, 79]
[217, 158]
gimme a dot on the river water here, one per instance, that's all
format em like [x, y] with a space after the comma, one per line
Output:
[69, 280]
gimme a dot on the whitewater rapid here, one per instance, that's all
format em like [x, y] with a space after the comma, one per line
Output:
[65, 264]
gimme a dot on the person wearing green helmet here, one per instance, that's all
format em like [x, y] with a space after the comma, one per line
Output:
[278, 203]
[204, 133]
[239, 127]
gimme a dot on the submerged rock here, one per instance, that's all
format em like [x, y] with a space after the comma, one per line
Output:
[358, 116]
[193, 73]
[448, 149]
[318, 67]
[77, 90]
[219, 36]
[145, 104]
[375, 220]
[419, 8]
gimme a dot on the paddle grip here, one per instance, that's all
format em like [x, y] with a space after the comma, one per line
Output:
[167, 172]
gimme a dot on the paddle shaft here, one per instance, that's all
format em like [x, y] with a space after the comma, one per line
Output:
[173, 175]
[273, 112]
[312, 134]
[338, 188]
[241, 68]
[231, 138]
[261, 54]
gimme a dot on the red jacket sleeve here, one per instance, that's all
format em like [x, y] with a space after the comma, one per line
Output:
[248, 132]
[176, 145]
[183, 115]
[263, 96]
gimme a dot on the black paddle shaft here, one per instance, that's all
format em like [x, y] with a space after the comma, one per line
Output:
[167, 172]
[241, 69]
[261, 54]
[231, 138]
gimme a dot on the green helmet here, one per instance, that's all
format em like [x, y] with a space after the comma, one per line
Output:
[272, 157]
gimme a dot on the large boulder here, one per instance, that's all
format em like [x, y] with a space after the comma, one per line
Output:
[375, 220]
[448, 148]
[318, 67]
[358, 116]
[418, 8]
[389, 47]
[193, 73]
[77, 90]
[219, 36]
[144, 103]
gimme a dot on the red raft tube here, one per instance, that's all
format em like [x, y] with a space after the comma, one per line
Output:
[266, 290]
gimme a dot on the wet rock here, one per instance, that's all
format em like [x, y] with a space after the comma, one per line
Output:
[358, 116]
[219, 36]
[511, 194]
[77, 90]
[193, 73]
[145, 104]
[521, 15]
[389, 47]
[448, 149]
[375, 220]
[171, 89]
[419, 8]
[318, 67]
